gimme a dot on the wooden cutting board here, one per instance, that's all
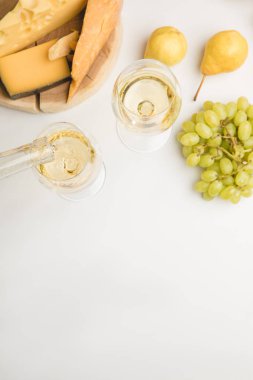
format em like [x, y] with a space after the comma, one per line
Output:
[55, 99]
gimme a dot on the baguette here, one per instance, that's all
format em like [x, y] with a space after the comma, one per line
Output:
[101, 18]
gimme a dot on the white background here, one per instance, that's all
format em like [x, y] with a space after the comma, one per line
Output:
[146, 280]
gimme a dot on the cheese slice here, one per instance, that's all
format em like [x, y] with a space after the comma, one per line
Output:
[31, 20]
[63, 46]
[30, 71]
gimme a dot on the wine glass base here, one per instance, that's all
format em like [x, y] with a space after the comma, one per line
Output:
[142, 142]
[90, 191]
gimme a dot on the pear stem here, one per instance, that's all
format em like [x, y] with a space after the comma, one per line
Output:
[200, 86]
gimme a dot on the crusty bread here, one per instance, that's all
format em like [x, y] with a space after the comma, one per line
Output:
[101, 18]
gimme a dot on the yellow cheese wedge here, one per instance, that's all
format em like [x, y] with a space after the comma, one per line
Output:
[30, 71]
[31, 20]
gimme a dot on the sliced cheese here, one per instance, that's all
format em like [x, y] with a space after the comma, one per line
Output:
[31, 20]
[30, 71]
[101, 18]
[63, 46]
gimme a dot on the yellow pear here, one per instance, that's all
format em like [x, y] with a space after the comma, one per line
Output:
[225, 52]
[167, 45]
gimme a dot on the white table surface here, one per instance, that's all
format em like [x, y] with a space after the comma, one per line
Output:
[144, 281]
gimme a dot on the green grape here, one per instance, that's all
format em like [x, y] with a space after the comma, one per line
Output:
[213, 152]
[226, 166]
[220, 110]
[249, 143]
[215, 188]
[228, 180]
[225, 194]
[219, 154]
[239, 151]
[201, 186]
[211, 119]
[193, 159]
[188, 126]
[230, 130]
[208, 105]
[203, 130]
[216, 153]
[250, 112]
[216, 130]
[250, 183]
[242, 103]
[231, 109]
[215, 140]
[249, 168]
[187, 150]
[200, 149]
[215, 167]
[209, 175]
[251, 122]
[207, 197]
[246, 192]
[226, 145]
[229, 192]
[244, 130]
[206, 161]
[240, 117]
[180, 135]
[194, 118]
[242, 179]
[236, 196]
[250, 157]
[190, 139]
[200, 118]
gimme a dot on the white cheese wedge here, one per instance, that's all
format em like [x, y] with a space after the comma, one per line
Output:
[63, 46]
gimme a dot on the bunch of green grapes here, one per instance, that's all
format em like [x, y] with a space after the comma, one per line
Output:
[219, 139]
